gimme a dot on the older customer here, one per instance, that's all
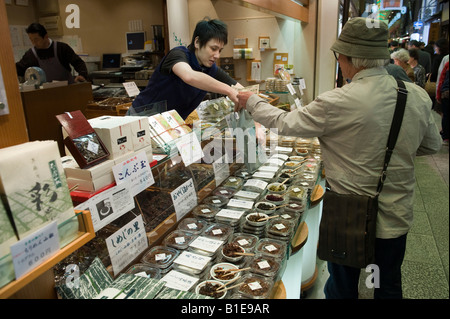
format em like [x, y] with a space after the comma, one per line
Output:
[401, 58]
[419, 71]
[352, 124]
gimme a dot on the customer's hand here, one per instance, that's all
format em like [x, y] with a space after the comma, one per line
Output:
[80, 78]
[243, 97]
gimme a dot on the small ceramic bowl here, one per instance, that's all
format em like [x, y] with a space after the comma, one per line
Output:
[215, 283]
[255, 222]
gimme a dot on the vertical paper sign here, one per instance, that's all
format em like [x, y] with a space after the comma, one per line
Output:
[131, 88]
[126, 244]
[34, 249]
[136, 170]
[184, 198]
[190, 149]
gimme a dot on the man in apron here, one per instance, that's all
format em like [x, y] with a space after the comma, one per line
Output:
[54, 58]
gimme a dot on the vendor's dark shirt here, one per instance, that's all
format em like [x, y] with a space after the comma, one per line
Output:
[164, 85]
[66, 56]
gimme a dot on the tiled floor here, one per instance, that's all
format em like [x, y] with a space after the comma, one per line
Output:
[425, 270]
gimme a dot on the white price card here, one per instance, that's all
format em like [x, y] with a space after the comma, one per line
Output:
[190, 149]
[207, 244]
[178, 280]
[109, 205]
[192, 260]
[137, 171]
[126, 244]
[184, 198]
[131, 88]
[34, 249]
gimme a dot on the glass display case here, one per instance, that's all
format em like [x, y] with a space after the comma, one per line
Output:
[212, 222]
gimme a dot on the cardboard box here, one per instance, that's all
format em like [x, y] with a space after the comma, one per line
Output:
[72, 169]
[140, 132]
[90, 185]
[115, 134]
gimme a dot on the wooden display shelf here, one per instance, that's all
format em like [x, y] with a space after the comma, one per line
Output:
[279, 290]
[85, 234]
[300, 237]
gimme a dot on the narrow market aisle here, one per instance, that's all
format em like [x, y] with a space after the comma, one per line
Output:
[426, 266]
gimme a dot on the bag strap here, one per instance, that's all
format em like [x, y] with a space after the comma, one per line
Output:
[395, 129]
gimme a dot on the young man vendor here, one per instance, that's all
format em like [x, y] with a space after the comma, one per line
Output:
[185, 75]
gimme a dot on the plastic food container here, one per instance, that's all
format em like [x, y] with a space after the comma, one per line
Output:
[179, 239]
[209, 287]
[216, 201]
[295, 208]
[233, 182]
[297, 193]
[244, 174]
[256, 286]
[144, 270]
[247, 241]
[192, 225]
[160, 257]
[290, 216]
[224, 191]
[205, 212]
[271, 247]
[265, 265]
[280, 227]
[216, 273]
[218, 231]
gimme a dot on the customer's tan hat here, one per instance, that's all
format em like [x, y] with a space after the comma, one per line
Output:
[363, 38]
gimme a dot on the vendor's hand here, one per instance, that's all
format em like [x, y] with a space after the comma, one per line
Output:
[233, 97]
[80, 78]
[243, 97]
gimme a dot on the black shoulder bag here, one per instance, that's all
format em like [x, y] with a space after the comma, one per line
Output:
[348, 226]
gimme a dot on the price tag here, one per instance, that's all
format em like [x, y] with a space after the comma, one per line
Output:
[207, 244]
[35, 249]
[192, 260]
[137, 170]
[127, 243]
[290, 88]
[190, 149]
[263, 264]
[184, 198]
[131, 88]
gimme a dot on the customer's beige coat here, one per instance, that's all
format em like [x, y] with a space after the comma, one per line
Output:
[353, 124]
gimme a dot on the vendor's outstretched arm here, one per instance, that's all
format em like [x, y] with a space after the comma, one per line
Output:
[203, 81]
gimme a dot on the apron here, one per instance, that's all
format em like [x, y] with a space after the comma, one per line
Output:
[54, 70]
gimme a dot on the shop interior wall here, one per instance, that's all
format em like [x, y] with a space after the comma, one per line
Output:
[103, 23]
[327, 32]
